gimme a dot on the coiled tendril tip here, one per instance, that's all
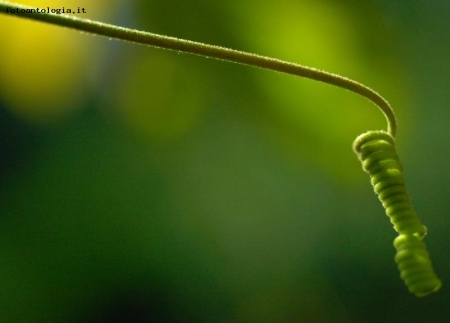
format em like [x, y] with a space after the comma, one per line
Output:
[415, 267]
[376, 151]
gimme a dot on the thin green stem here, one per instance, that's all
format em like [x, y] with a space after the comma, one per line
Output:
[201, 49]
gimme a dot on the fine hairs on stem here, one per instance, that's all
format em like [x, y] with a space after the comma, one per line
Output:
[375, 149]
[196, 48]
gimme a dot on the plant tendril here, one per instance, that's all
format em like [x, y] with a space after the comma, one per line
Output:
[202, 49]
[377, 153]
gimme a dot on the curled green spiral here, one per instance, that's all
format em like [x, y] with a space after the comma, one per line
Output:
[415, 267]
[376, 151]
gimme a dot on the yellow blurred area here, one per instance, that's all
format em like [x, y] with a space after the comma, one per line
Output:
[159, 96]
[45, 69]
[44, 66]
[182, 189]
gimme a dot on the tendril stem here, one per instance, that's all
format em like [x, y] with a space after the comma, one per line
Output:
[201, 49]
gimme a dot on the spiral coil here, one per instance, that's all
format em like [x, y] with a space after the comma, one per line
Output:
[415, 267]
[376, 151]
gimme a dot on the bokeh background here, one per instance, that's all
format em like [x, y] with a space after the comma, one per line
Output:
[143, 185]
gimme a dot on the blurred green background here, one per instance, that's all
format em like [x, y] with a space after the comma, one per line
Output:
[142, 185]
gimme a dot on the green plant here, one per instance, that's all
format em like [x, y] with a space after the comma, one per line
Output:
[375, 149]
